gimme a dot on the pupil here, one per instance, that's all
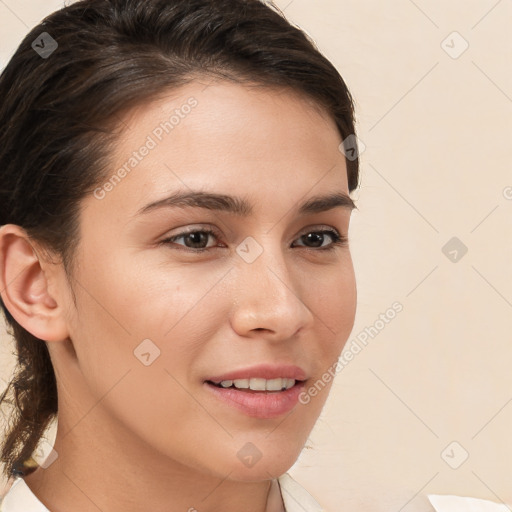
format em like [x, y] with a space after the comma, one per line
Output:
[318, 236]
[197, 235]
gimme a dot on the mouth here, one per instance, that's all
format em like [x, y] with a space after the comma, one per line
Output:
[257, 385]
[260, 403]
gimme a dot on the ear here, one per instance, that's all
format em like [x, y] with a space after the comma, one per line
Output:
[25, 279]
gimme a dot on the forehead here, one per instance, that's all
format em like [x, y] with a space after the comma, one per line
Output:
[204, 114]
[223, 136]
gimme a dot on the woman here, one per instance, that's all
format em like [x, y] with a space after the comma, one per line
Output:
[174, 260]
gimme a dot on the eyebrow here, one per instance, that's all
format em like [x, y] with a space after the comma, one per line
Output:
[240, 206]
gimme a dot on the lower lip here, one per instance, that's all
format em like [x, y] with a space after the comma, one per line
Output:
[260, 404]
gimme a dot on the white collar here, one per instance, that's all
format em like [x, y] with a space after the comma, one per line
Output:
[295, 497]
[20, 498]
[451, 503]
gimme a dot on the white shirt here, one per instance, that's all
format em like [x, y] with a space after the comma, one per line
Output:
[20, 498]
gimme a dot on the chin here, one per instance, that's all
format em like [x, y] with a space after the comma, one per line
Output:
[264, 468]
[258, 473]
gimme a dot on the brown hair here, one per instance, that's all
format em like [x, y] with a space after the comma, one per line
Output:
[63, 92]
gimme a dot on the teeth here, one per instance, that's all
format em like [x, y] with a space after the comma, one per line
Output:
[257, 384]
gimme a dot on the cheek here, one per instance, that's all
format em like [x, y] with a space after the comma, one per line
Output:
[132, 314]
[334, 305]
[142, 298]
[139, 335]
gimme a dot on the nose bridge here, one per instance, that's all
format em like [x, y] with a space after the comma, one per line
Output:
[268, 296]
[264, 266]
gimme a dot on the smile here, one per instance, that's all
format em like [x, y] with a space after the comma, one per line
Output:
[258, 384]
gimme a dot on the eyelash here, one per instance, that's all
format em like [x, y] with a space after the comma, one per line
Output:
[338, 240]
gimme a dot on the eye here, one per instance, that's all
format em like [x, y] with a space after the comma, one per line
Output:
[196, 236]
[318, 237]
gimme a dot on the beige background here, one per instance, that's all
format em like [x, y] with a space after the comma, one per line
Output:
[437, 131]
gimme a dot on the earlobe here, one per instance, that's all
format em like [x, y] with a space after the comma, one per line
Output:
[24, 286]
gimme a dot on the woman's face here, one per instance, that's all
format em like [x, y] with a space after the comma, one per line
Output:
[156, 319]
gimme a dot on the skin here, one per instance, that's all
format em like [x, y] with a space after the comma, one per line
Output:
[133, 437]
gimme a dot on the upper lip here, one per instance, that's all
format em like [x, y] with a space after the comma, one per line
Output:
[264, 371]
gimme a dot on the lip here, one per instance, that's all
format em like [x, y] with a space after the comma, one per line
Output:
[258, 404]
[263, 371]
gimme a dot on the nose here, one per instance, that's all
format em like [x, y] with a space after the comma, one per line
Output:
[269, 297]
